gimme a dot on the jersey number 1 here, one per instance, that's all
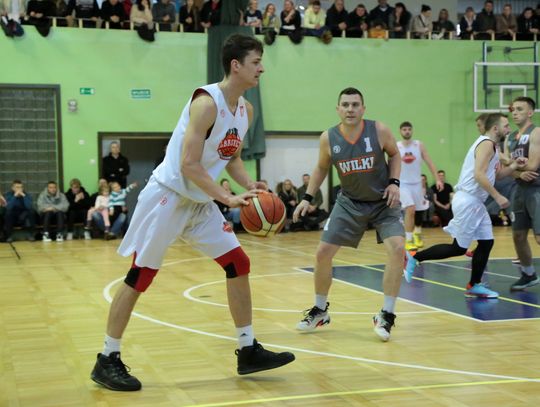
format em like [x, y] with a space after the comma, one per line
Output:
[368, 145]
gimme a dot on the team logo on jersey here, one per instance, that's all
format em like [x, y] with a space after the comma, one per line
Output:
[229, 144]
[336, 149]
[222, 113]
[242, 111]
[408, 158]
[227, 227]
[163, 201]
[358, 164]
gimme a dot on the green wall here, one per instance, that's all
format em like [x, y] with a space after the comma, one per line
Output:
[426, 82]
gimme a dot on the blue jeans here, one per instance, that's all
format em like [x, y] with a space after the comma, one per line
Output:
[117, 226]
[233, 215]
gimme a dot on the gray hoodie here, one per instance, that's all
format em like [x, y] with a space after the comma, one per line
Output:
[58, 201]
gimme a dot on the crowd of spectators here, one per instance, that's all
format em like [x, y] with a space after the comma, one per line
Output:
[104, 213]
[383, 21]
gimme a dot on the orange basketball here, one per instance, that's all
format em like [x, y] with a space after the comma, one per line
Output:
[264, 216]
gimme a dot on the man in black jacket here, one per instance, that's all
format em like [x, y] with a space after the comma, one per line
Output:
[336, 18]
[116, 166]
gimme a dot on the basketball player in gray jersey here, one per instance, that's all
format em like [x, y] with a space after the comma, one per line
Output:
[525, 142]
[369, 194]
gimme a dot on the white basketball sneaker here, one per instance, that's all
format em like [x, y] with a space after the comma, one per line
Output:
[314, 317]
[383, 323]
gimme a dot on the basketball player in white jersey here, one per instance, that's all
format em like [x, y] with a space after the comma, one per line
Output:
[177, 202]
[525, 142]
[411, 194]
[471, 220]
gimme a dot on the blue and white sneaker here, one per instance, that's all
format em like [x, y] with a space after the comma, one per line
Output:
[480, 290]
[410, 265]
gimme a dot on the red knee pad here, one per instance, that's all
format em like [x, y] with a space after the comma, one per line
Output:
[140, 278]
[235, 263]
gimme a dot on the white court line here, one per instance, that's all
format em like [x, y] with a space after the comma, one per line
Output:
[187, 294]
[107, 295]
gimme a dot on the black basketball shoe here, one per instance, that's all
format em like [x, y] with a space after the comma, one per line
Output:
[255, 358]
[111, 372]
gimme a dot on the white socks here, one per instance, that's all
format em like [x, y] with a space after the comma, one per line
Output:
[418, 230]
[408, 235]
[529, 270]
[111, 345]
[245, 336]
[320, 301]
[389, 304]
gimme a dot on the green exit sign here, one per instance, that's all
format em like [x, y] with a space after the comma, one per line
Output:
[87, 91]
[141, 94]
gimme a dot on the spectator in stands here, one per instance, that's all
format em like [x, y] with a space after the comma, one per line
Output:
[527, 25]
[39, 13]
[399, 21]
[486, 23]
[12, 13]
[19, 211]
[467, 24]
[270, 24]
[118, 206]
[381, 13]
[86, 10]
[287, 193]
[443, 28]
[93, 197]
[164, 13]
[231, 215]
[79, 203]
[60, 12]
[378, 30]
[443, 199]
[253, 16]
[115, 165]
[211, 14]
[427, 215]
[141, 17]
[357, 22]
[315, 214]
[2, 214]
[422, 25]
[336, 18]
[99, 213]
[506, 24]
[112, 11]
[314, 19]
[52, 206]
[190, 17]
[291, 22]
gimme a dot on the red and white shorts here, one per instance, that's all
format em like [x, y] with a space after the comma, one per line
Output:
[162, 215]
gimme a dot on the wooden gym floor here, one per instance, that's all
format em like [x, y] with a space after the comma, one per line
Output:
[181, 341]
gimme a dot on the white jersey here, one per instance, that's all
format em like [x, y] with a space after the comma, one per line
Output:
[411, 162]
[467, 183]
[221, 144]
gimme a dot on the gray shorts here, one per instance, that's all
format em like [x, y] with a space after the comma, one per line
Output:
[349, 220]
[526, 208]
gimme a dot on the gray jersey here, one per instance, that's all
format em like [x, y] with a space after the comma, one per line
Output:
[361, 166]
[519, 147]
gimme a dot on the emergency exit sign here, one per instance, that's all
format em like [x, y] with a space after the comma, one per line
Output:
[87, 91]
[141, 94]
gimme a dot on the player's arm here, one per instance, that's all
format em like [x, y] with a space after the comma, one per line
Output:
[317, 176]
[429, 162]
[235, 168]
[388, 144]
[483, 155]
[202, 114]
[529, 172]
